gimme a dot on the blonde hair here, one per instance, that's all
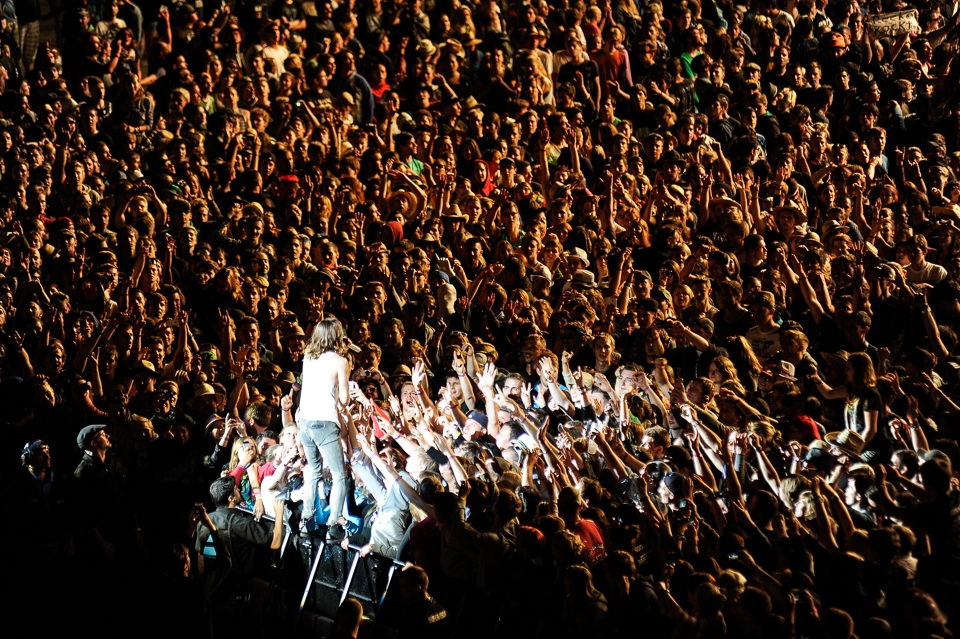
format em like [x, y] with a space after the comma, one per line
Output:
[327, 336]
[235, 450]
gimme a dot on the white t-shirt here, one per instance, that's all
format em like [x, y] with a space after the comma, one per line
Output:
[764, 344]
[318, 397]
[929, 274]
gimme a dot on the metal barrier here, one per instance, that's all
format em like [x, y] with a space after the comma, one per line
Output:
[348, 574]
[343, 573]
[368, 579]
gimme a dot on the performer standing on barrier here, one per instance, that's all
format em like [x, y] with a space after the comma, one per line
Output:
[325, 390]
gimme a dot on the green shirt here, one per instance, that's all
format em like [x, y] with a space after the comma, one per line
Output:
[416, 166]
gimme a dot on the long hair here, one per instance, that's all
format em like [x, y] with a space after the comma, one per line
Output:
[235, 449]
[741, 354]
[863, 374]
[327, 336]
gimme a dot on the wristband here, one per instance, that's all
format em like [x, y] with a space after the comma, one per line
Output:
[696, 455]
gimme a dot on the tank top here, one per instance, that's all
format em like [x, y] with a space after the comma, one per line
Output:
[318, 397]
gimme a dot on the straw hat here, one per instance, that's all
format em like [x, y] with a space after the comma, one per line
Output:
[205, 390]
[849, 442]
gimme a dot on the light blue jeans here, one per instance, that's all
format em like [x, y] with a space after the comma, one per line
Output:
[321, 442]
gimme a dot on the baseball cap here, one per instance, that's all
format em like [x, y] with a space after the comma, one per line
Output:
[819, 456]
[477, 416]
[704, 323]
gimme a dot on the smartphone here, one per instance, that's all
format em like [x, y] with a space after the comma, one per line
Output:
[198, 509]
[733, 556]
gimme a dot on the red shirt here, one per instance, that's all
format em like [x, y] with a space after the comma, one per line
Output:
[589, 533]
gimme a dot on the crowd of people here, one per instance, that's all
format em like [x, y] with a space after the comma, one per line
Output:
[607, 317]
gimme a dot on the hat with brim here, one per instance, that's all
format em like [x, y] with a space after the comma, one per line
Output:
[411, 210]
[401, 371]
[724, 203]
[472, 42]
[847, 441]
[230, 29]
[211, 422]
[831, 227]
[580, 254]
[294, 331]
[454, 213]
[146, 368]
[378, 247]
[778, 370]
[672, 157]
[583, 279]
[454, 46]
[812, 239]
[426, 48]
[286, 377]
[204, 390]
[791, 208]
[471, 103]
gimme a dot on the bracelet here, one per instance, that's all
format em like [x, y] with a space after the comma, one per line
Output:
[461, 375]
[696, 455]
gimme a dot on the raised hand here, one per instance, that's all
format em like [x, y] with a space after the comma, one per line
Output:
[395, 406]
[526, 395]
[487, 377]
[546, 368]
[286, 402]
[419, 373]
[602, 383]
[458, 364]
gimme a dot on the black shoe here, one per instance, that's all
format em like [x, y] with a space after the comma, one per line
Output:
[336, 533]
